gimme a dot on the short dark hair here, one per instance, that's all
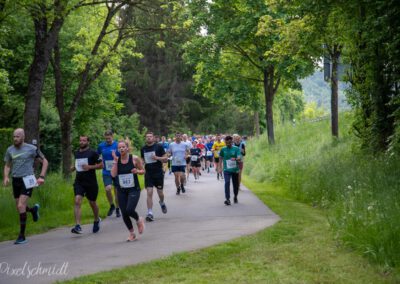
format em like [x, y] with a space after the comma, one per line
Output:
[108, 132]
[86, 136]
[149, 132]
[228, 137]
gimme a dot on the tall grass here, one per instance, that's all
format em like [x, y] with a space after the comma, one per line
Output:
[360, 191]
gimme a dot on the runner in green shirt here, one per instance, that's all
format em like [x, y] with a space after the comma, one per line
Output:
[230, 157]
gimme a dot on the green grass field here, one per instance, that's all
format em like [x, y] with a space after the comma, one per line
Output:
[299, 249]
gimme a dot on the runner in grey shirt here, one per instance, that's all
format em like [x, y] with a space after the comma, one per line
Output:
[179, 152]
[19, 159]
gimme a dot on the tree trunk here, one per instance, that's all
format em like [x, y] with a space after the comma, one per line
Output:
[269, 100]
[44, 43]
[66, 142]
[334, 91]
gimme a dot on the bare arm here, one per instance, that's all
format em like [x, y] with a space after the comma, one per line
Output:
[163, 158]
[45, 165]
[138, 166]
[114, 169]
[7, 168]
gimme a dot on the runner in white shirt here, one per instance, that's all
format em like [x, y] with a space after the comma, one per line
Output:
[179, 152]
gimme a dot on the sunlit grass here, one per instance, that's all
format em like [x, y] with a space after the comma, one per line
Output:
[359, 191]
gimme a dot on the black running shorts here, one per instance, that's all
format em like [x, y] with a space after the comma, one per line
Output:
[90, 191]
[19, 187]
[154, 180]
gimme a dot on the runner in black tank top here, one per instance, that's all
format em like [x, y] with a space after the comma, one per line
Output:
[125, 170]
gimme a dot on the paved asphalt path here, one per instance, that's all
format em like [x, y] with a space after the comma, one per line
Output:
[195, 220]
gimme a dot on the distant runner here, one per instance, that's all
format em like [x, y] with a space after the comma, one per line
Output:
[195, 155]
[237, 141]
[179, 151]
[230, 156]
[185, 140]
[209, 154]
[217, 146]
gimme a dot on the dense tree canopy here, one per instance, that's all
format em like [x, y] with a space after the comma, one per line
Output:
[80, 66]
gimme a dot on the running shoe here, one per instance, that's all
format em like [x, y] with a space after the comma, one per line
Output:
[20, 240]
[183, 189]
[163, 207]
[140, 225]
[117, 213]
[149, 218]
[96, 226]
[131, 238]
[235, 199]
[35, 212]
[77, 229]
[227, 202]
[111, 210]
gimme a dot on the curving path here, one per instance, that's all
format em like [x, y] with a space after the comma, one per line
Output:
[195, 220]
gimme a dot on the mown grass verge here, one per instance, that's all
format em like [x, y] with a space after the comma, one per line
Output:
[298, 249]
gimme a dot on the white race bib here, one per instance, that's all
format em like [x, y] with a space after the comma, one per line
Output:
[194, 158]
[30, 181]
[126, 181]
[109, 164]
[209, 153]
[177, 161]
[79, 163]
[230, 164]
[148, 157]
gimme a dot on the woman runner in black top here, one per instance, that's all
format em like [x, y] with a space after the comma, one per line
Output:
[125, 170]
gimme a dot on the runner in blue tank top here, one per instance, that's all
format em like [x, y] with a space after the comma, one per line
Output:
[105, 149]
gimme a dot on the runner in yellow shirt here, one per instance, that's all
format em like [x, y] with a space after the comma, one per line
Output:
[218, 145]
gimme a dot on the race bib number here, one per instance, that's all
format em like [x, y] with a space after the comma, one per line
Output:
[109, 164]
[209, 153]
[30, 181]
[230, 164]
[194, 158]
[79, 163]
[178, 161]
[148, 157]
[126, 181]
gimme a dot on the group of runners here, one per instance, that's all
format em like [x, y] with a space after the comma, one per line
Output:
[120, 169]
